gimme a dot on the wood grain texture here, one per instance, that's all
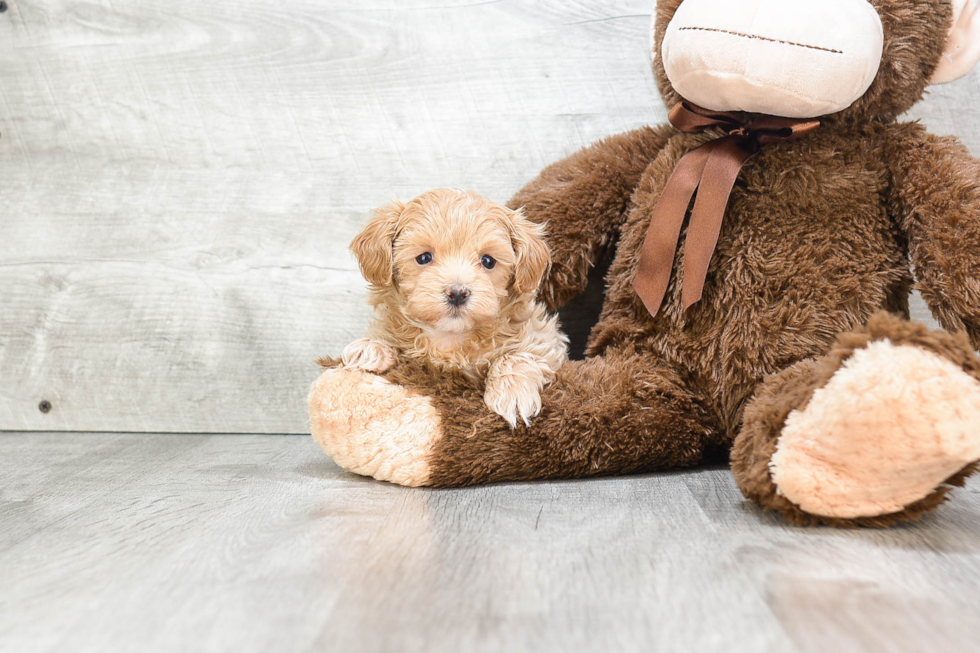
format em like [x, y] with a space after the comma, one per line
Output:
[179, 181]
[259, 543]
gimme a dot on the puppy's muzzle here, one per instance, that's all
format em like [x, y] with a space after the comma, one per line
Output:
[457, 295]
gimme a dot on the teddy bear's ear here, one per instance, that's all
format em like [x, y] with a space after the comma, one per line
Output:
[373, 246]
[533, 255]
[962, 50]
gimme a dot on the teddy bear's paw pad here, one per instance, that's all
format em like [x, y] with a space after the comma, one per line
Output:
[373, 427]
[891, 425]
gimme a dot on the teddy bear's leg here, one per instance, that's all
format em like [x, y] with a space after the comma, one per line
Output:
[373, 427]
[873, 433]
[614, 414]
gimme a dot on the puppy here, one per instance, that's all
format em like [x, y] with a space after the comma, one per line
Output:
[453, 279]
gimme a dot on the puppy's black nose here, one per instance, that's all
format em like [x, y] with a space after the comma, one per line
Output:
[457, 295]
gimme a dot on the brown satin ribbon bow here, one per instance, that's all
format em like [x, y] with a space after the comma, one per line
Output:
[711, 171]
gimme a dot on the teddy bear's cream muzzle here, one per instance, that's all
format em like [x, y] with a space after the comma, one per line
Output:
[795, 59]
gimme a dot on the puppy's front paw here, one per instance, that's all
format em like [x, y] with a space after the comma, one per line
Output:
[512, 396]
[370, 355]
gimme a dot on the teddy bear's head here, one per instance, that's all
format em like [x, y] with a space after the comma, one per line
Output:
[852, 59]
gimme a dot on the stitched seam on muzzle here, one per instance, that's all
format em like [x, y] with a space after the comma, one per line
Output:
[760, 38]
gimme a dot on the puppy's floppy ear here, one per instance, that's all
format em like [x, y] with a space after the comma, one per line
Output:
[533, 255]
[373, 246]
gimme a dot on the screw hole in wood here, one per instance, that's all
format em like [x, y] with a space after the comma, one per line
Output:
[44, 406]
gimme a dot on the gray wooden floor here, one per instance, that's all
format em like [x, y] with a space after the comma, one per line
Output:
[113, 542]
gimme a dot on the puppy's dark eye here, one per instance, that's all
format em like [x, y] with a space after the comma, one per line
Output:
[488, 261]
[424, 259]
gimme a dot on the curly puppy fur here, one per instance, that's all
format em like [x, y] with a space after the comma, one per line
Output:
[468, 305]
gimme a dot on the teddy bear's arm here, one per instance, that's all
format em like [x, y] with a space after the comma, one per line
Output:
[936, 193]
[583, 199]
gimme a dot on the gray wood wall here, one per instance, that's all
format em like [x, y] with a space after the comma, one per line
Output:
[179, 180]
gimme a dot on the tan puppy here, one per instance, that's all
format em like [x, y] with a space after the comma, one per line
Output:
[453, 280]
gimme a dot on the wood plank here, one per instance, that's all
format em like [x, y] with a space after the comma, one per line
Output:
[258, 543]
[180, 183]
[180, 180]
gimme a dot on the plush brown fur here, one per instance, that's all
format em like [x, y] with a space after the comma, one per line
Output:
[605, 415]
[820, 236]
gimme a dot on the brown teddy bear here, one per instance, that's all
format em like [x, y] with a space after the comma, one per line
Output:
[769, 320]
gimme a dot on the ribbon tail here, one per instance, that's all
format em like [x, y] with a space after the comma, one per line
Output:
[660, 246]
[689, 117]
[720, 172]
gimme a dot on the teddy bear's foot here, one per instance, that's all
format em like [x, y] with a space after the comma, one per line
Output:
[372, 427]
[889, 427]
[869, 434]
